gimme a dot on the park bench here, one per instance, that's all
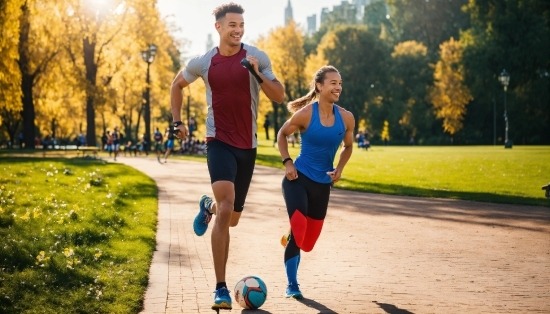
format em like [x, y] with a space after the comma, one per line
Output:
[88, 150]
[55, 149]
[80, 150]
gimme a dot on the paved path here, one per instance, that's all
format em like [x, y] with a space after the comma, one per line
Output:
[376, 254]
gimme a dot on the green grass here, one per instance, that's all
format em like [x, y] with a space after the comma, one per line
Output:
[479, 173]
[77, 236]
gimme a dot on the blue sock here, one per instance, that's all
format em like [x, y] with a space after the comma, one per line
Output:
[291, 266]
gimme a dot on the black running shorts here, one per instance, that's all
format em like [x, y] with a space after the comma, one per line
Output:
[229, 163]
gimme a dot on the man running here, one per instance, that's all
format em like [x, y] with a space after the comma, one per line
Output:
[232, 94]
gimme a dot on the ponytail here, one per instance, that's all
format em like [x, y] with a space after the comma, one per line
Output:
[297, 104]
[319, 77]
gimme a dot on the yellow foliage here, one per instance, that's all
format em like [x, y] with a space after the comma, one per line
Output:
[10, 77]
[118, 31]
[385, 135]
[449, 95]
[314, 62]
[407, 48]
[318, 59]
[284, 46]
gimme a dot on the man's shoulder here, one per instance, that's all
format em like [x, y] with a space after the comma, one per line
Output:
[253, 50]
[202, 59]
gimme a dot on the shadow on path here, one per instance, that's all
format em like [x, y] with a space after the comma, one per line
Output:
[316, 305]
[535, 218]
[391, 309]
[257, 311]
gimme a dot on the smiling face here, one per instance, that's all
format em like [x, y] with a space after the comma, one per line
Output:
[231, 29]
[330, 88]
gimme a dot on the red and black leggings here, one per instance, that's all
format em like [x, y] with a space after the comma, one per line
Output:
[306, 203]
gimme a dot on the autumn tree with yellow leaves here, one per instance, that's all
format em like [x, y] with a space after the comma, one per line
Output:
[10, 78]
[449, 95]
[285, 47]
[410, 73]
[105, 51]
[78, 69]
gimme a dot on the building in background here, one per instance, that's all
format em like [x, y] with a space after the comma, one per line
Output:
[311, 24]
[209, 42]
[288, 13]
[347, 12]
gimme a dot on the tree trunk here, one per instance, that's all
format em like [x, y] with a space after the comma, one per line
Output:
[29, 133]
[27, 80]
[275, 120]
[91, 73]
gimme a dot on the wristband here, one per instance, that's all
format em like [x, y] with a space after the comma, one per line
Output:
[286, 159]
[177, 123]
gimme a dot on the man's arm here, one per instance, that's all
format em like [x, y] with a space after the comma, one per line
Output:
[274, 90]
[176, 98]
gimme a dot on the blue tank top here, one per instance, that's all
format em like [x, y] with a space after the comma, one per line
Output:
[319, 145]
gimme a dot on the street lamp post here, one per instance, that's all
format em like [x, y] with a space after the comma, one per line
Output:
[494, 122]
[504, 79]
[148, 56]
[188, 109]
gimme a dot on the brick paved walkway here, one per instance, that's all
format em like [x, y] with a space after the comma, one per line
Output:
[377, 253]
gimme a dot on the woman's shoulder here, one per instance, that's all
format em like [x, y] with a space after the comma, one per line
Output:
[305, 110]
[346, 115]
[343, 111]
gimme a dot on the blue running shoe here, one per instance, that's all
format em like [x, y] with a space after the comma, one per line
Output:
[293, 291]
[200, 224]
[222, 299]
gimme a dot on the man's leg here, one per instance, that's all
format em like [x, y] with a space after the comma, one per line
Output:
[226, 165]
[235, 216]
[220, 238]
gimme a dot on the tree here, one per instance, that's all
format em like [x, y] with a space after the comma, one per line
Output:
[10, 76]
[361, 57]
[410, 77]
[385, 134]
[285, 47]
[449, 94]
[38, 46]
[81, 57]
[428, 22]
[104, 46]
[376, 17]
[514, 35]
[91, 28]
[120, 92]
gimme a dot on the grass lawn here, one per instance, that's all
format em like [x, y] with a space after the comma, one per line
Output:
[479, 173]
[77, 236]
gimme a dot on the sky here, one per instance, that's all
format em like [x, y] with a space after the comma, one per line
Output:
[195, 20]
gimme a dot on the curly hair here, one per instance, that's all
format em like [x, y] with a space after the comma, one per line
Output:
[231, 7]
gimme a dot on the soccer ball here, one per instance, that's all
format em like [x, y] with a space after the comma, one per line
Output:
[250, 292]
